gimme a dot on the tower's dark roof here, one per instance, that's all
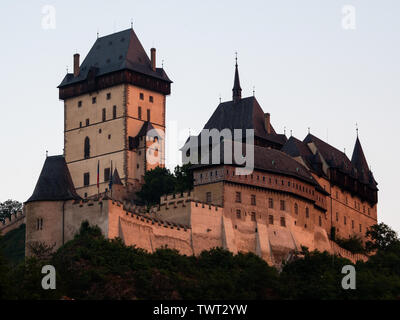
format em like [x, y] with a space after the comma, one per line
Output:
[360, 164]
[146, 127]
[115, 178]
[243, 114]
[115, 52]
[54, 183]
[237, 90]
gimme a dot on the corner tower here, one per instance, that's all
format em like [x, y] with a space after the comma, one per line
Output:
[109, 100]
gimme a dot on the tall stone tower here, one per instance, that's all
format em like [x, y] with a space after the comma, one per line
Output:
[114, 114]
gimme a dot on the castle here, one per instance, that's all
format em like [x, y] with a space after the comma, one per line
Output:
[300, 193]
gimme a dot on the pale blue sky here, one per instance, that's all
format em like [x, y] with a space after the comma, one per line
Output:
[308, 72]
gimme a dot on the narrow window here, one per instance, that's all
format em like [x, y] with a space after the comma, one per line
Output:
[103, 116]
[94, 100]
[41, 223]
[141, 95]
[253, 199]
[151, 99]
[238, 213]
[337, 216]
[108, 96]
[352, 224]
[87, 122]
[87, 148]
[320, 221]
[79, 103]
[114, 112]
[296, 208]
[271, 219]
[270, 203]
[238, 197]
[307, 213]
[148, 114]
[282, 205]
[283, 222]
[107, 174]
[208, 197]
[344, 220]
[253, 216]
[80, 124]
[140, 113]
[86, 179]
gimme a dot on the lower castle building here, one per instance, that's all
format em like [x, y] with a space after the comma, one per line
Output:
[300, 193]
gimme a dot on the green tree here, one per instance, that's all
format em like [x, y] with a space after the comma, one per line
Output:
[184, 178]
[354, 244]
[381, 237]
[9, 207]
[157, 182]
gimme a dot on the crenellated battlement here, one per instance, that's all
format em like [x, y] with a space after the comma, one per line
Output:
[147, 218]
[13, 222]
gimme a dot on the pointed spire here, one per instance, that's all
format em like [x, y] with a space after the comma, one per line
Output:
[237, 90]
[359, 162]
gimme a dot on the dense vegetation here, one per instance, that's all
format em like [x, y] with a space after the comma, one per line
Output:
[9, 207]
[92, 267]
[160, 181]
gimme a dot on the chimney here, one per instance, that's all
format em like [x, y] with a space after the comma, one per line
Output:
[267, 122]
[76, 64]
[153, 58]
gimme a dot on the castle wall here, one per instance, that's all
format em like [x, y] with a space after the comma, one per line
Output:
[15, 221]
[347, 213]
[147, 233]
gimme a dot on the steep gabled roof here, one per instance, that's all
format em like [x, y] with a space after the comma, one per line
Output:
[115, 52]
[54, 183]
[244, 114]
[297, 148]
[334, 157]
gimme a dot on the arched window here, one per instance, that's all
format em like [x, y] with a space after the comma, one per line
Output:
[307, 213]
[87, 148]
[296, 208]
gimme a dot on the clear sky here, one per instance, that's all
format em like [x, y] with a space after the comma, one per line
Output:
[307, 69]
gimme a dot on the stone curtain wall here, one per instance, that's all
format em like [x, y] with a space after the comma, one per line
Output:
[13, 223]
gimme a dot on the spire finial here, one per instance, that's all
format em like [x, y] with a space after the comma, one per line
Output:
[47, 153]
[162, 63]
[131, 23]
[357, 129]
[291, 133]
[284, 130]
[219, 98]
[254, 91]
[237, 90]
[97, 33]
[309, 130]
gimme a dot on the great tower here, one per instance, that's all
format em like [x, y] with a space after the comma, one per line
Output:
[112, 103]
